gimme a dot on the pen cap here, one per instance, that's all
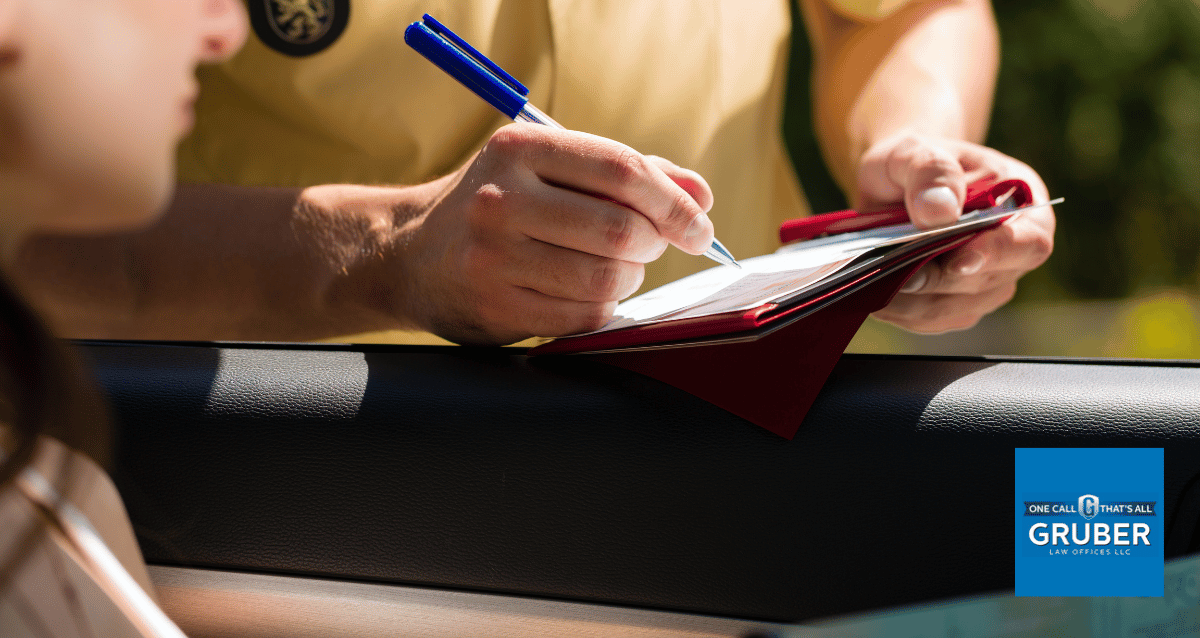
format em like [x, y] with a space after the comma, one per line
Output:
[453, 55]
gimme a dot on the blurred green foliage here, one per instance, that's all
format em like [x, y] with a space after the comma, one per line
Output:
[1102, 98]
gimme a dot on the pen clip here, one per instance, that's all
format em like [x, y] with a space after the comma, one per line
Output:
[440, 29]
[464, 63]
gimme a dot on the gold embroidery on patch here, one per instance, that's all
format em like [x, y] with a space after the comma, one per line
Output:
[300, 21]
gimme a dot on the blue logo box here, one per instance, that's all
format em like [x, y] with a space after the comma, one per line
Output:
[1089, 521]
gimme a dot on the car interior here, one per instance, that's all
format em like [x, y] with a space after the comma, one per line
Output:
[343, 490]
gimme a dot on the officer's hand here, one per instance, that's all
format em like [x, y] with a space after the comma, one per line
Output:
[543, 232]
[930, 176]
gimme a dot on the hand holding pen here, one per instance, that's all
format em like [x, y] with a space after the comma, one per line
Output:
[476, 72]
[540, 233]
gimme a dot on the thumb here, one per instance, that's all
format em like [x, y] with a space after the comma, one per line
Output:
[926, 176]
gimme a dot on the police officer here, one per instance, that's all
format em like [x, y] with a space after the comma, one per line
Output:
[338, 183]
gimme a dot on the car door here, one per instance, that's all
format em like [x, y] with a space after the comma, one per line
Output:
[282, 490]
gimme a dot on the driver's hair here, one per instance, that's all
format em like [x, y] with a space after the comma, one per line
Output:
[42, 392]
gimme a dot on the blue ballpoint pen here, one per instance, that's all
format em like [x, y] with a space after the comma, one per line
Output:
[453, 55]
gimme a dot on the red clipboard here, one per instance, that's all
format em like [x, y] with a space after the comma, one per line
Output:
[782, 353]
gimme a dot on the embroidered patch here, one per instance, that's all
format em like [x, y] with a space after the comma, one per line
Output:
[299, 27]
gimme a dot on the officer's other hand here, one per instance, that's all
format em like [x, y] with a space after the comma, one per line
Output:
[543, 232]
[930, 175]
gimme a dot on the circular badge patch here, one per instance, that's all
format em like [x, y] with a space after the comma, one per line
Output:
[299, 27]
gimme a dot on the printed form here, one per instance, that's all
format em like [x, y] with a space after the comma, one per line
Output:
[783, 274]
[728, 289]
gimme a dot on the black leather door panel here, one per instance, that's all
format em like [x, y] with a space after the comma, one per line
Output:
[564, 478]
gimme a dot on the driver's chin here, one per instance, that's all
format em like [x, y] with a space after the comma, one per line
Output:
[117, 207]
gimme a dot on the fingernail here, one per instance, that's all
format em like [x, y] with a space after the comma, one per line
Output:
[916, 282]
[939, 198]
[970, 263]
[696, 230]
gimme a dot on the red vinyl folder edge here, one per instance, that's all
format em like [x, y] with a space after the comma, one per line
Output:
[770, 375]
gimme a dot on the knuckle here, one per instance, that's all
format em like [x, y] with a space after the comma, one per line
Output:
[518, 144]
[490, 201]
[1041, 246]
[943, 163]
[933, 162]
[919, 156]
[995, 280]
[606, 281]
[509, 140]
[620, 233]
[626, 165]
[906, 148]
[683, 210]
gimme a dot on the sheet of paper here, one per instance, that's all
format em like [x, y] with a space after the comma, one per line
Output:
[727, 289]
[755, 289]
[777, 276]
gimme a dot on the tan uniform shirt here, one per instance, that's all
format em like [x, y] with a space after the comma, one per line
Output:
[698, 83]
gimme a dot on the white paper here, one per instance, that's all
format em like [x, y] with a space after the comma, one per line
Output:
[728, 289]
[783, 274]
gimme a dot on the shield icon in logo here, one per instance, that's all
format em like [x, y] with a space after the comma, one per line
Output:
[1089, 506]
